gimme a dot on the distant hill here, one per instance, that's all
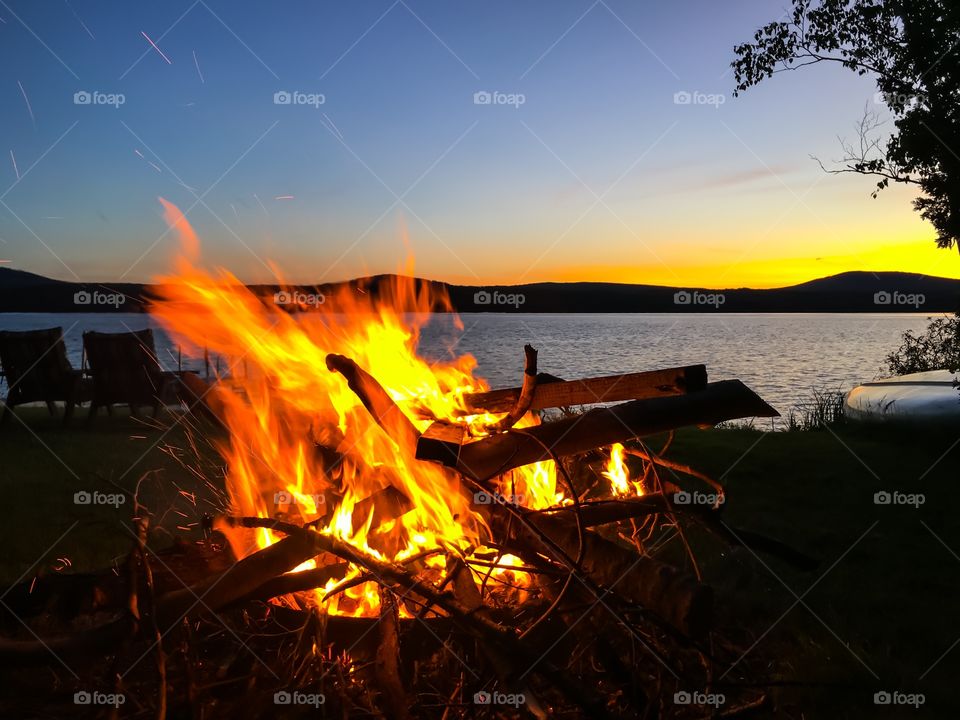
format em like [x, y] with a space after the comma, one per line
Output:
[22, 291]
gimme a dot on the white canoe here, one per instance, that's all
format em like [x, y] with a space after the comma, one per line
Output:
[926, 397]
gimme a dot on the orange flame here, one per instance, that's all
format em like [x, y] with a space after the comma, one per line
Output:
[618, 474]
[279, 401]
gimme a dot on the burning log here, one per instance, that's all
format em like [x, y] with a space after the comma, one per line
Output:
[589, 391]
[376, 400]
[488, 457]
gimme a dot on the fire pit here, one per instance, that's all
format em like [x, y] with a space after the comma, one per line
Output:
[400, 540]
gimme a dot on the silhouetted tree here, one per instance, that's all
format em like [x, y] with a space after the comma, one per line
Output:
[911, 48]
[935, 348]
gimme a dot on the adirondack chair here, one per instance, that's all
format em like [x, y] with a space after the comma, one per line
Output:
[37, 369]
[124, 369]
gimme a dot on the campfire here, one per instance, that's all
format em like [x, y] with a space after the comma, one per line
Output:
[502, 550]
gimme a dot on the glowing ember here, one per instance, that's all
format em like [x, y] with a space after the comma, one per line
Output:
[286, 402]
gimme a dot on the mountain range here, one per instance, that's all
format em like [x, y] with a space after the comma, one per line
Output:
[22, 291]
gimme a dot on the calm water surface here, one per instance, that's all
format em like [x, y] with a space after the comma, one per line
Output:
[781, 356]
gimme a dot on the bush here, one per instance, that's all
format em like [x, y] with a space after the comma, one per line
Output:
[936, 348]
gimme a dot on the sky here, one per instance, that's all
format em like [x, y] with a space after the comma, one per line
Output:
[493, 142]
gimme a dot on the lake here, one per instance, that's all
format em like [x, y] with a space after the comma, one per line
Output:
[784, 357]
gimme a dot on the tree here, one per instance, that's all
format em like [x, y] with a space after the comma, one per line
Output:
[912, 49]
[935, 348]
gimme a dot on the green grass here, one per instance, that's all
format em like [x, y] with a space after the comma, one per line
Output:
[43, 466]
[882, 598]
[887, 607]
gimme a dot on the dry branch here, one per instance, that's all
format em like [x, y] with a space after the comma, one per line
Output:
[670, 593]
[525, 396]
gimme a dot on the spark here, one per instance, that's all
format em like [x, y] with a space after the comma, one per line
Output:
[198, 67]
[169, 62]
[154, 166]
[27, 101]
[15, 169]
[262, 206]
[284, 197]
[79, 20]
[234, 212]
[52, 217]
[333, 125]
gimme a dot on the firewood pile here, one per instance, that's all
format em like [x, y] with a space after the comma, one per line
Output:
[592, 607]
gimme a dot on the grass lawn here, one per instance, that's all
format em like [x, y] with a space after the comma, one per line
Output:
[877, 614]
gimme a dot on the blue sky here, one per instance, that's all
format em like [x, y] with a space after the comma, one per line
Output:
[598, 174]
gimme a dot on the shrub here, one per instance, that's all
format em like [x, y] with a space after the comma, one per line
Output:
[936, 348]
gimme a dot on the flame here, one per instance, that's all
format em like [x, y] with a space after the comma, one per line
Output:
[618, 474]
[279, 400]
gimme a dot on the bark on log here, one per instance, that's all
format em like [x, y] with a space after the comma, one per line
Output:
[720, 401]
[613, 388]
